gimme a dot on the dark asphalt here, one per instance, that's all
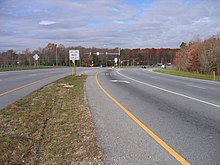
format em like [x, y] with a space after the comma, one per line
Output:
[184, 112]
[10, 80]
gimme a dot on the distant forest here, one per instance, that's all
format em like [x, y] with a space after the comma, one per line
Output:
[148, 56]
[196, 56]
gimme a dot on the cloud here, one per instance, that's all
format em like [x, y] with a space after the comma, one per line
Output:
[115, 23]
[46, 22]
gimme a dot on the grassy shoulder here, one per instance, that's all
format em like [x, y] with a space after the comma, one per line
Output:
[50, 126]
[188, 74]
[29, 68]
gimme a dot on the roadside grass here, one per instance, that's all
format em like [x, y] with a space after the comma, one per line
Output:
[50, 126]
[29, 68]
[188, 74]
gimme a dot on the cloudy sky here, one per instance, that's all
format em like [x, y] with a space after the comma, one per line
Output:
[106, 23]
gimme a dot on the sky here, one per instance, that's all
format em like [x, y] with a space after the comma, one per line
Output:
[106, 23]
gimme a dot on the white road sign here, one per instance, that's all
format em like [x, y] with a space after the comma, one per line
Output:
[36, 57]
[116, 60]
[74, 55]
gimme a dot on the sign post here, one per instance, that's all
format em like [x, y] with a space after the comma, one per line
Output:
[36, 57]
[74, 55]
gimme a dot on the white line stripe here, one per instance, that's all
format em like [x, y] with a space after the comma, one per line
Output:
[153, 77]
[3, 74]
[120, 81]
[194, 86]
[175, 93]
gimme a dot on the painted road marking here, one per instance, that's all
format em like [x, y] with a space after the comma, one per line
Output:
[3, 74]
[172, 152]
[169, 91]
[26, 85]
[194, 86]
[153, 77]
[120, 81]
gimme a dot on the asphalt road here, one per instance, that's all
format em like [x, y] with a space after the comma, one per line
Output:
[183, 113]
[14, 85]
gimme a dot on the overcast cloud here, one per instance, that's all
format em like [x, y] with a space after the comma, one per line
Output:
[110, 23]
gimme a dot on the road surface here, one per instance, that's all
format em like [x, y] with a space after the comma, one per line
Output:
[142, 117]
[14, 85]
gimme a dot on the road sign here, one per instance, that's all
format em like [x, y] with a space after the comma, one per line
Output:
[73, 55]
[116, 60]
[36, 57]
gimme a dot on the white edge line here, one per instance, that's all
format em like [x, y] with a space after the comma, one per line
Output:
[175, 93]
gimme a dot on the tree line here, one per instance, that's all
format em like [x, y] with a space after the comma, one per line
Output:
[199, 56]
[52, 52]
[196, 56]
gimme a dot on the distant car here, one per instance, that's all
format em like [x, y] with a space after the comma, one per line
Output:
[163, 66]
[143, 67]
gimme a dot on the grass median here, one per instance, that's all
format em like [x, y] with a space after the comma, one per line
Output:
[188, 74]
[50, 126]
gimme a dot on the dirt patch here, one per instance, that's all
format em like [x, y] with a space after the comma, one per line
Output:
[50, 126]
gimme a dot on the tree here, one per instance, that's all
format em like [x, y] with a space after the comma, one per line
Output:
[183, 45]
[199, 56]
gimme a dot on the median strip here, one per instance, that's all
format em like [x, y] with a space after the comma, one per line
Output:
[50, 126]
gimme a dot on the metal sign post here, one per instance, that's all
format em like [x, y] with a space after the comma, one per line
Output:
[74, 68]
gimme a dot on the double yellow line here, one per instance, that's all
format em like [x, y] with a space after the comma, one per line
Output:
[177, 156]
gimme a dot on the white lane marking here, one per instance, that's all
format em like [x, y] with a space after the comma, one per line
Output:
[31, 75]
[3, 74]
[153, 77]
[120, 81]
[169, 91]
[194, 86]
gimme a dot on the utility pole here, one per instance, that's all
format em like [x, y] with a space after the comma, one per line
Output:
[57, 46]
[56, 55]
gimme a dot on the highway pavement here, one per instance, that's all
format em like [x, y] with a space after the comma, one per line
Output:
[140, 117]
[143, 117]
[14, 85]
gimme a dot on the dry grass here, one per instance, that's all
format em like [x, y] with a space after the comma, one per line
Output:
[50, 126]
[189, 74]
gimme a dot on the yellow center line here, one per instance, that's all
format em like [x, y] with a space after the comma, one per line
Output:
[177, 156]
[26, 85]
